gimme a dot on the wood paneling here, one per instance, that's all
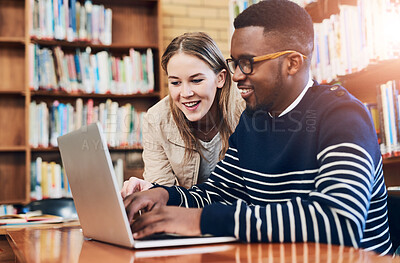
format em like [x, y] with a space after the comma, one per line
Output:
[12, 121]
[12, 18]
[12, 68]
[134, 26]
[391, 172]
[12, 177]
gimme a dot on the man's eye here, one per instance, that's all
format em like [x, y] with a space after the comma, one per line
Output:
[197, 80]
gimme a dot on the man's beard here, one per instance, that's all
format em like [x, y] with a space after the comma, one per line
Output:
[259, 108]
[266, 107]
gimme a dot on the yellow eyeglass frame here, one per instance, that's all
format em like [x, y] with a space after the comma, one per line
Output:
[251, 61]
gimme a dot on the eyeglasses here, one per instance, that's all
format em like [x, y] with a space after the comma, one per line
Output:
[246, 64]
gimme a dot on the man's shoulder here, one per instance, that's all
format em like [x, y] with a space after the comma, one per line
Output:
[333, 96]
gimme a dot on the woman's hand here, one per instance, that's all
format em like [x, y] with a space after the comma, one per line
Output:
[134, 185]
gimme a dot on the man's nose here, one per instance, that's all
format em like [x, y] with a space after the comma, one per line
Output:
[238, 74]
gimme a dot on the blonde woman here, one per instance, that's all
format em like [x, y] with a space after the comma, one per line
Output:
[186, 133]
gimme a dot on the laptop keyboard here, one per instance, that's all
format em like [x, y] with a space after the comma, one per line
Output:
[161, 236]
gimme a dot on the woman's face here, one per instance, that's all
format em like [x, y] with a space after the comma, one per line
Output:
[193, 85]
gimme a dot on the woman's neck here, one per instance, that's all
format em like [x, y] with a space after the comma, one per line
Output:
[206, 128]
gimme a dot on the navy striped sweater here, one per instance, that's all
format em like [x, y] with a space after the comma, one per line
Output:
[312, 175]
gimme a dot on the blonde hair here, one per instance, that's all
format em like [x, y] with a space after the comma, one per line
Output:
[202, 46]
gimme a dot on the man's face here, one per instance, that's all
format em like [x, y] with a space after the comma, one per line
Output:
[263, 88]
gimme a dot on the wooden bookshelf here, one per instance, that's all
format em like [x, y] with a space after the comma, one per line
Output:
[135, 24]
[62, 94]
[55, 149]
[322, 9]
[13, 149]
[12, 92]
[363, 84]
[13, 41]
[78, 44]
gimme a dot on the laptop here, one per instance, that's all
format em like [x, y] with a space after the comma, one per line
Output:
[97, 199]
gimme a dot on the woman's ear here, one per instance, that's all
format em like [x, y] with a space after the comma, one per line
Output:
[294, 63]
[221, 78]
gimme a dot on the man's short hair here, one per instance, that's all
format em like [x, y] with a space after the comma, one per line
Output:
[284, 19]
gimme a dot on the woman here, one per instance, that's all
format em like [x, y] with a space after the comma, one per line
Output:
[186, 133]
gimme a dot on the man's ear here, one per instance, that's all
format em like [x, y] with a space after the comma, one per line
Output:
[294, 63]
[221, 78]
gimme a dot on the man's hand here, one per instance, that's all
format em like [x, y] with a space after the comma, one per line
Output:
[145, 201]
[170, 219]
[134, 185]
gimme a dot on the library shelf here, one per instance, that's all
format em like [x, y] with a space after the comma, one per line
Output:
[136, 24]
[12, 149]
[374, 74]
[63, 94]
[362, 84]
[19, 41]
[84, 44]
[12, 92]
[111, 149]
[391, 160]
[126, 148]
[44, 149]
[321, 9]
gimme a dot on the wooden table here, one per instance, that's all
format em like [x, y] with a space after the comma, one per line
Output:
[67, 244]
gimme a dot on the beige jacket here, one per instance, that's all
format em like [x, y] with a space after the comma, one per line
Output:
[164, 149]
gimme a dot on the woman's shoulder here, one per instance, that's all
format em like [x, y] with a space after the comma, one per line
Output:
[160, 107]
[240, 105]
[160, 111]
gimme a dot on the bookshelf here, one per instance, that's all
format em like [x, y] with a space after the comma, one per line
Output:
[135, 24]
[361, 82]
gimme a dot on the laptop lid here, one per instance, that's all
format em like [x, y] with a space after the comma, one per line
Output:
[94, 187]
[98, 202]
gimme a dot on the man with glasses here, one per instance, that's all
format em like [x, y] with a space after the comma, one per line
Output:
[303, 163]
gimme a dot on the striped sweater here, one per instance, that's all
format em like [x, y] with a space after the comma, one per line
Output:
[311, 175]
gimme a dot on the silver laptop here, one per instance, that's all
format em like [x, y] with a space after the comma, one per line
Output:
[98, 202]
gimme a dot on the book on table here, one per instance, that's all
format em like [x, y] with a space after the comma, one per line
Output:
[29, 219]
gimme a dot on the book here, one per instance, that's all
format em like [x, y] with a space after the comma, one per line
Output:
[25, 219]
[7, 209]
[48, 120]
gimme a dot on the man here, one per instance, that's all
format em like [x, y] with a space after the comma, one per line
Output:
[303, 164]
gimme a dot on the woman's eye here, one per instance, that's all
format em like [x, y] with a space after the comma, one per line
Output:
[174, 83]
[197, 80]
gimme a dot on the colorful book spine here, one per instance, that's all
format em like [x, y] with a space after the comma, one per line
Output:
[389, 118]
[121, 123]
[357, 36]
[81, 71]
[70, 20]
[48, 180]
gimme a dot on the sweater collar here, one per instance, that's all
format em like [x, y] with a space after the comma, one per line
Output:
[298, 99]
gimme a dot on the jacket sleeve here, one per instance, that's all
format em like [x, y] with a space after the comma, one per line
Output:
[334, 212]
[157, 168]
